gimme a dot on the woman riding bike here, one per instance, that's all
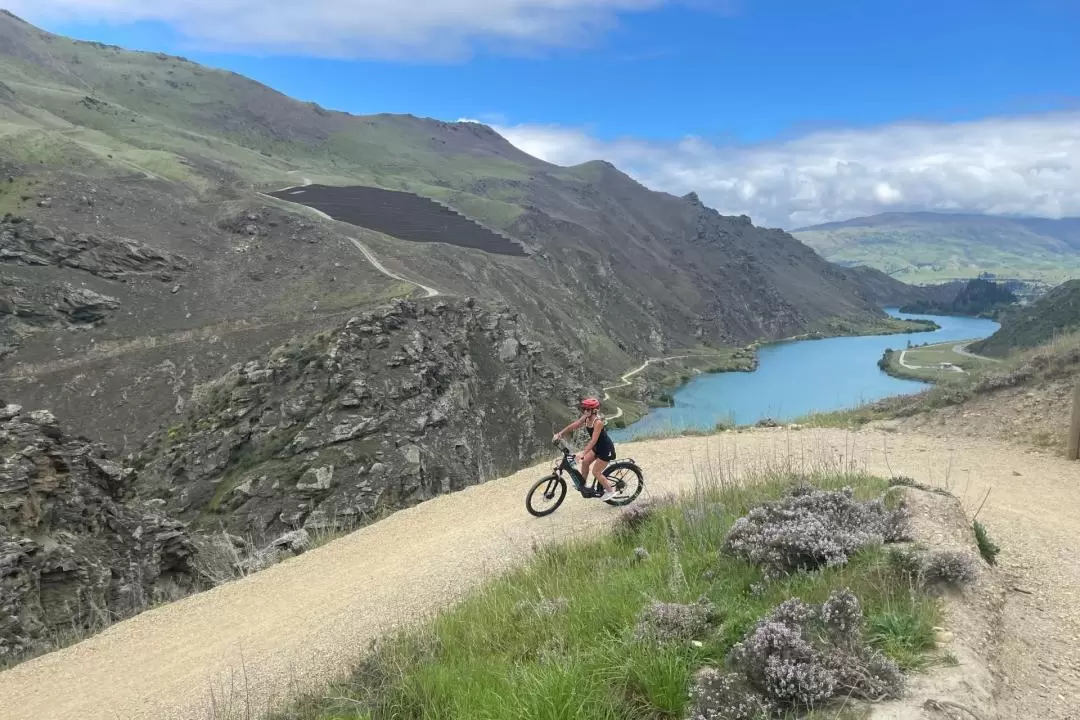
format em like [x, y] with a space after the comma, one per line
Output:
[599, 451]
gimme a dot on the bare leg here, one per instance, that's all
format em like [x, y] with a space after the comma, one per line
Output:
[586, 464]
[598, 473]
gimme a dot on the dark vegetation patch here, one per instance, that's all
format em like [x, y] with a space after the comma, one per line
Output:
[402, 215]
[979, 298]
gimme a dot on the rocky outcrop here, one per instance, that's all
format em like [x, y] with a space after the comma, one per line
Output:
[24, 242]
[75, 553]
[48, 304]
[32, 299]
[971, 616]
[399, 405]
[29, 306]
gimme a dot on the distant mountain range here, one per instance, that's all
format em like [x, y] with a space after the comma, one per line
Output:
[927, 247]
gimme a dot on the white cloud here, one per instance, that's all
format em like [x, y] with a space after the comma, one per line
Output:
[406, 29]
[1009, 166]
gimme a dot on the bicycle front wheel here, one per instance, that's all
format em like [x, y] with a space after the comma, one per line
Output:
[545, 496]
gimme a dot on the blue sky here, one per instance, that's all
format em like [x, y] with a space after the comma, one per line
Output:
[644, 82]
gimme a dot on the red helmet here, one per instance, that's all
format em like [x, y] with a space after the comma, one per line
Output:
[590, 403]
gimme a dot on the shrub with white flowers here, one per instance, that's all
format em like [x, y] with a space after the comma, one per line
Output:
[812, 528]
[801, 656]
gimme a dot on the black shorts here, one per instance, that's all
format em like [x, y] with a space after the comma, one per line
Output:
[605, 452]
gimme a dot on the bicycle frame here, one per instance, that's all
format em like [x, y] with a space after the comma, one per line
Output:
[567, 465]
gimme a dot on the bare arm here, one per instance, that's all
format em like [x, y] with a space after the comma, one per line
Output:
[572, 426]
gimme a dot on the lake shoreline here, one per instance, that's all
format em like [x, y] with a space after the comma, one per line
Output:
[659, 394]
[945, 365]
[689, 410]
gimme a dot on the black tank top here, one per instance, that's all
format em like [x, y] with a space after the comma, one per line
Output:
[603, 439]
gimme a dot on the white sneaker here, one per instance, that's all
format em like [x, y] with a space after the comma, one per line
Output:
[608, 495]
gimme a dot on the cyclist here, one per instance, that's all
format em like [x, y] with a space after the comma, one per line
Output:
[599, 450]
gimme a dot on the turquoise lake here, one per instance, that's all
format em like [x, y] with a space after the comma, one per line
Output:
[801, 377]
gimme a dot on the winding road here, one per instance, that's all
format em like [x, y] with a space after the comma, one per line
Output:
[962, 349]
[370, 256]
[296, 626]
[429, 291]
[625, 379]
[958, 348]
[939, 366]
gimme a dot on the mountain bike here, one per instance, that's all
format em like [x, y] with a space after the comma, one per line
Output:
[625, 476]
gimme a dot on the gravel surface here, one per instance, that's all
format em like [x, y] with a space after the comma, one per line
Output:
[301, 623]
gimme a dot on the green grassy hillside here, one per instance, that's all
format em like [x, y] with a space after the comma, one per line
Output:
[937, 247]
[1056, 313]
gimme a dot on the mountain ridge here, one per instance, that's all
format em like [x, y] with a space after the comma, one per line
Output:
[958, 216]
[931, 247]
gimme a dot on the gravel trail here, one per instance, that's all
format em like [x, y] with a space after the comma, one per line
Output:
[299, 624]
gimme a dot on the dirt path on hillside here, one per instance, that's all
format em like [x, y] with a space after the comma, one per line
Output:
[962, 349]
[428, 291]
[370, 256]
[624, 381]
[298, 624]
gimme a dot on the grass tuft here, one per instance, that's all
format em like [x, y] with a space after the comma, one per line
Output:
[987, 548]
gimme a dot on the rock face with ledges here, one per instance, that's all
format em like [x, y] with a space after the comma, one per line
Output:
[74, 553]
[397, 406]
[27, 243]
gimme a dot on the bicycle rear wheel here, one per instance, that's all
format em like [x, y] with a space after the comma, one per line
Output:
[545, 496]
[627, 480]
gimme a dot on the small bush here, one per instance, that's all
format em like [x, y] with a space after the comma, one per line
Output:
[812, 528]
[905, 562]
[800, 657]
[726, 696]
[987, 548]
[842, 617]
[950, 566]
[905, 481]
[634, 517]
[666, 622]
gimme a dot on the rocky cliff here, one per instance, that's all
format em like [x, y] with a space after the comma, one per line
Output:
[76, 552]
[396, 406]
